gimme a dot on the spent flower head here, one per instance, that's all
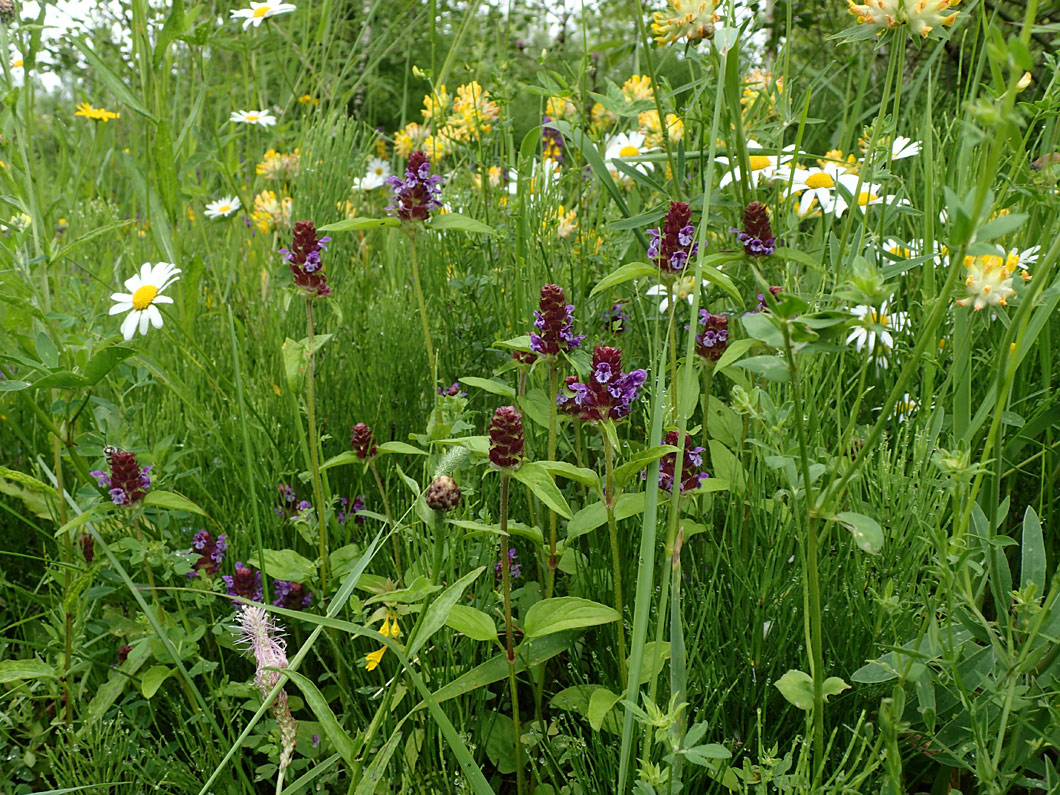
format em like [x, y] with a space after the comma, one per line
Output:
[362, 440]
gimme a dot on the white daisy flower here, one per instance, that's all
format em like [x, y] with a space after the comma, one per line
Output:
[145, 292]
[262, 118]
[763, 167]
[902, 147]
[375, 175]
[870, 194]
[906, 407]
[259, 11]
[873, 334]
[222, 208]
[626, 145]
[814, 183]
[684, 289]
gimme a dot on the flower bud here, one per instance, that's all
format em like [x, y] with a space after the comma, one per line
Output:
[362, 440]
[443, 494]
[506, 438]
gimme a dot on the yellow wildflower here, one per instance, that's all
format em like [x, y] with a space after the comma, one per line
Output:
[308, 99]
[410, 139]
[602, 118]
[436, 104]
[691, 19]
[649, 125]
[96, 114]
[374, 658]
[270, 212]
[637, 87]
[278, 165]
[474, 112]
[559, 108]
[989, 281]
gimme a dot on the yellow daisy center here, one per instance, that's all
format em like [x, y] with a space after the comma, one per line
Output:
[865, 197]
[758, 162]
[143, 297]
[261, 11]
[819, 180]
[629, 150]
[224, 208]
[379, 171]
[253, 116]
[878, 319]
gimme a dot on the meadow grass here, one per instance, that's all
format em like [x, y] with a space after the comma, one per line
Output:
[845, 579]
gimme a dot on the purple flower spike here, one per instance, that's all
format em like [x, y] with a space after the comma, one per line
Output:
[608, 394]
[554, 319]
[418, 193]
[674, 243]
[245, 583]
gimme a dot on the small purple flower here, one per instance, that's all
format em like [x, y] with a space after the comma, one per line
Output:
[451, 391]
[674, 243]
[316, 741]
[692, 461]
[345, 513]
[757, 234]
[211, 553]
[291, 595]
[305, 506]
[246, 582]
[714, 339]
[418, 193]
[102, 478]
[554, 318]
[303, 258]
[615, 319]
[610, 392]
[514, 568]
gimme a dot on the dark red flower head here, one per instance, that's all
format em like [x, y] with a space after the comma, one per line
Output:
[363, 441]
[506, 437]
[304, 259]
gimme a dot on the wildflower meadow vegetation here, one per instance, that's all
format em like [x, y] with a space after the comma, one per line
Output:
[532, 398]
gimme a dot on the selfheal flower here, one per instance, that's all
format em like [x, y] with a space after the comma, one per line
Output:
[127, 482]
[691, 463]
[609, 392]
[762, 306]
[672, 245]
[211, 553]
[287, 499]
[292, 595]
[714, 339]
[514, 569]
[453, 390]
[263, 637]
[554, 318]
[303, 258]
[418, 193]
[362, 440]
[348, 512]
[757, 234]
[506, 438]
[245, 583]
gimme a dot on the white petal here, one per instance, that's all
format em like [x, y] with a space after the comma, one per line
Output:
[128, 326]
[144, 320]
[804, 204]
[155, 315]
[145, 271]
[162, 299]
[133, 283]
[117, 309]
[125, 298]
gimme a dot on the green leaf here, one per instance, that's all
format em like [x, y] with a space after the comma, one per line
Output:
[316, 702]
[153, 679]
[1032, 546]
[705, 754]
[867, 532]
[372, 779]
[61, 380]
[762, 326]
[638, 463]
[351, 224]
[772, 368]
[349, 457]
[165, 170]
[625, 273]
[655, 655]
[460, 223]
[797, 256]
[284, 564]
[172, 501]
[399, 447]
[565, 612]
[115, 84]
[1000, 226]
[414, 593]
[592, 516]
[472, 622]
[438, 613]
[46, 351]
[488, 384]
[735, 350]
[797, 688]
[13, 385]
[600, 704]
[586, 477]
[293, 353]
[14, 670]
[499, 732]
[535, 405]
[540, 482]
[103, 361]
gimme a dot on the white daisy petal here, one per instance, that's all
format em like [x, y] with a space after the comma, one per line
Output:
[155, 316]
[128, 326]
[145, 319]
[117, 309]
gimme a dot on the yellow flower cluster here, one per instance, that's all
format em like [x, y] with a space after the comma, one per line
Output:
[308, 99]
[921, 15]
[271, 213]
[565, 221]
[652, 130]
[278, 165]
[849, 163]
[989, 280]
[96, 114]
[691, 19]
[448, 120]
[601, 118]
[637, 87]
[559, 108]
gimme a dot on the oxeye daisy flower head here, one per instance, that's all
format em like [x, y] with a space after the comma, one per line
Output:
[376, 174]
[762, 166]
[222, 208]
[262, 118]
[686, 19]
[258, 12]
[145, 293]
[873, 334]
[626, 145]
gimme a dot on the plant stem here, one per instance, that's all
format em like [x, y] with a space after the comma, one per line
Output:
[811, 583]
[506, 579]
[389, 517]
[314, 453]
[616, 560]
[552, 518]
[418, 289]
